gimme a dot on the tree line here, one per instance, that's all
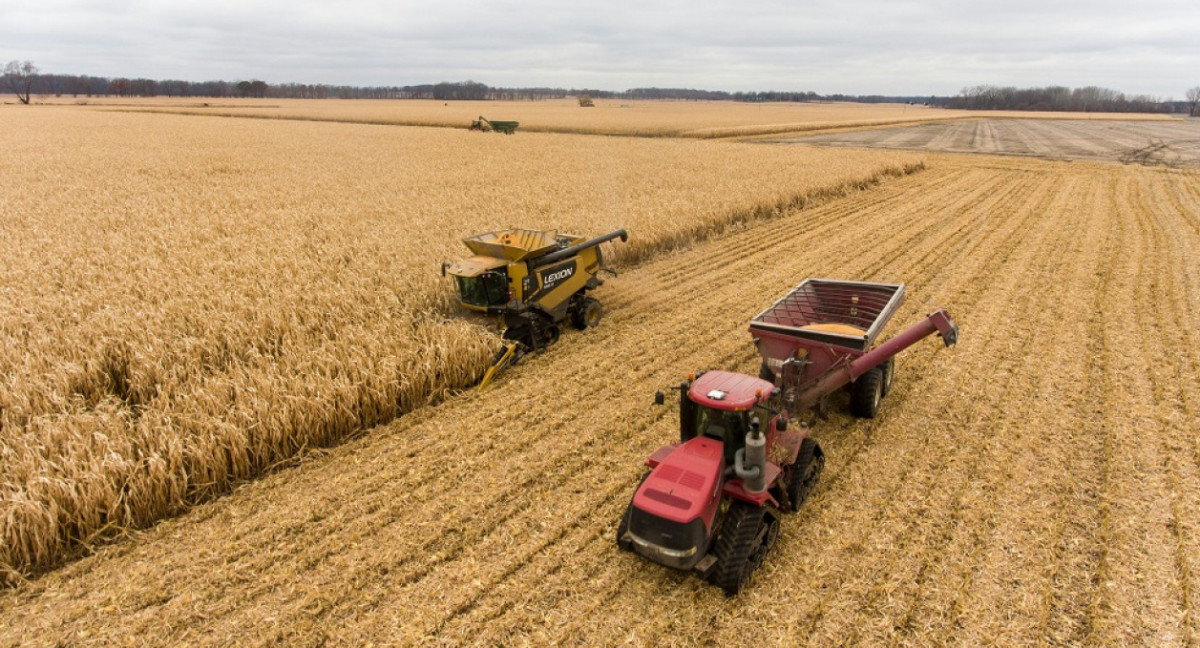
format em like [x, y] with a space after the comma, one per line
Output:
[24, 79]
[1061, 98]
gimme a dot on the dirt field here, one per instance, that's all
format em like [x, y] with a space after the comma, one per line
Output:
[1038, 484]
[1164, 143]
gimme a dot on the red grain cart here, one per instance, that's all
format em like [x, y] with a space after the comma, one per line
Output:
[712, 502]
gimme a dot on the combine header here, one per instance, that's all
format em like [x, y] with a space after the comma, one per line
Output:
[712, 502]
[535, 280]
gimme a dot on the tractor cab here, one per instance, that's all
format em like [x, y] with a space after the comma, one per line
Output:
[677, 510]
[720, 405]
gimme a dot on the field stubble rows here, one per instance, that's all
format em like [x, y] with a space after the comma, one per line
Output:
[1034, 485]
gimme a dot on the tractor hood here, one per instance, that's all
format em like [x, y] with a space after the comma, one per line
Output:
[683, 486]
[475, 266]
[671, 518]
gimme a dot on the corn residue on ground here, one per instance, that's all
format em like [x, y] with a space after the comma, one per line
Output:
[1037, 484]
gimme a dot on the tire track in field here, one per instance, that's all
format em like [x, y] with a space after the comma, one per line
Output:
[915, 516]
[1134, 602]
[1169, 376]
[946, 275]
[1032, 211]
[952, 562]
[1182, 240]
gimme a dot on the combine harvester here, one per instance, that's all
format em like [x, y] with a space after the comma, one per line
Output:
[712, 502]
[535, 280]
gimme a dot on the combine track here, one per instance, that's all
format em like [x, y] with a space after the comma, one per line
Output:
[1039, 483]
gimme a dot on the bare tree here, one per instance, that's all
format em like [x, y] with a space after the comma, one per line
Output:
[1193, 97]
[20, 77]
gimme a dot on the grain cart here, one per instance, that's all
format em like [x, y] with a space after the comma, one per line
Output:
[535, 280]
[484, 124]
[712, 502]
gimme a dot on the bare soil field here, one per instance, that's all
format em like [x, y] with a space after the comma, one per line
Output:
[1163, 143]
[1038, 484]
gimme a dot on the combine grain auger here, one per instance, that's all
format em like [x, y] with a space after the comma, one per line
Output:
[535, 280]
[713, 501]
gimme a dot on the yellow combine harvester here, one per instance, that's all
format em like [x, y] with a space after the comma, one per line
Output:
[535, 279]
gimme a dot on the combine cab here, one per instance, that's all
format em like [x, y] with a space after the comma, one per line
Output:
[535, 280]
[713, 501]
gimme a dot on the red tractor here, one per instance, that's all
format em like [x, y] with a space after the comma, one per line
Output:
[712, 502]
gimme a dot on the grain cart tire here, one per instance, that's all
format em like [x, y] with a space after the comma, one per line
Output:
[866, 394]
[802, 478]
[889, 374]
[740, 546]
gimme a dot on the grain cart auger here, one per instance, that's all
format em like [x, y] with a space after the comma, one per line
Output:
[712, 502]
[534, 280]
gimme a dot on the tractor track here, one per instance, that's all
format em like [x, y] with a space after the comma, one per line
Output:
[933, 448]
[986, 473]
[489, 519]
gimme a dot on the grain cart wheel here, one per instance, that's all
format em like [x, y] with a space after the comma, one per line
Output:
[866, 394]
[802, 478]
[889, 373]
[741, 546]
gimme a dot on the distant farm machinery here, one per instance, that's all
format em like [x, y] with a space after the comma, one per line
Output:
[485, 124]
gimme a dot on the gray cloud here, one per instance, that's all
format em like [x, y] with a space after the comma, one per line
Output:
[853, 46]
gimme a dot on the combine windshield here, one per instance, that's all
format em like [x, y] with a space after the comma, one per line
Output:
[487, 289]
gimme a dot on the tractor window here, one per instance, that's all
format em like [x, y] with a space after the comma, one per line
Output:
[727, 427]
[488, 289]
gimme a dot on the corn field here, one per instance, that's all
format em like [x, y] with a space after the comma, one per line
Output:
[1038, 484]
[191, 301]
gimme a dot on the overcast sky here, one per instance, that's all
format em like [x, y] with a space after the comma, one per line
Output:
[889, 47]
